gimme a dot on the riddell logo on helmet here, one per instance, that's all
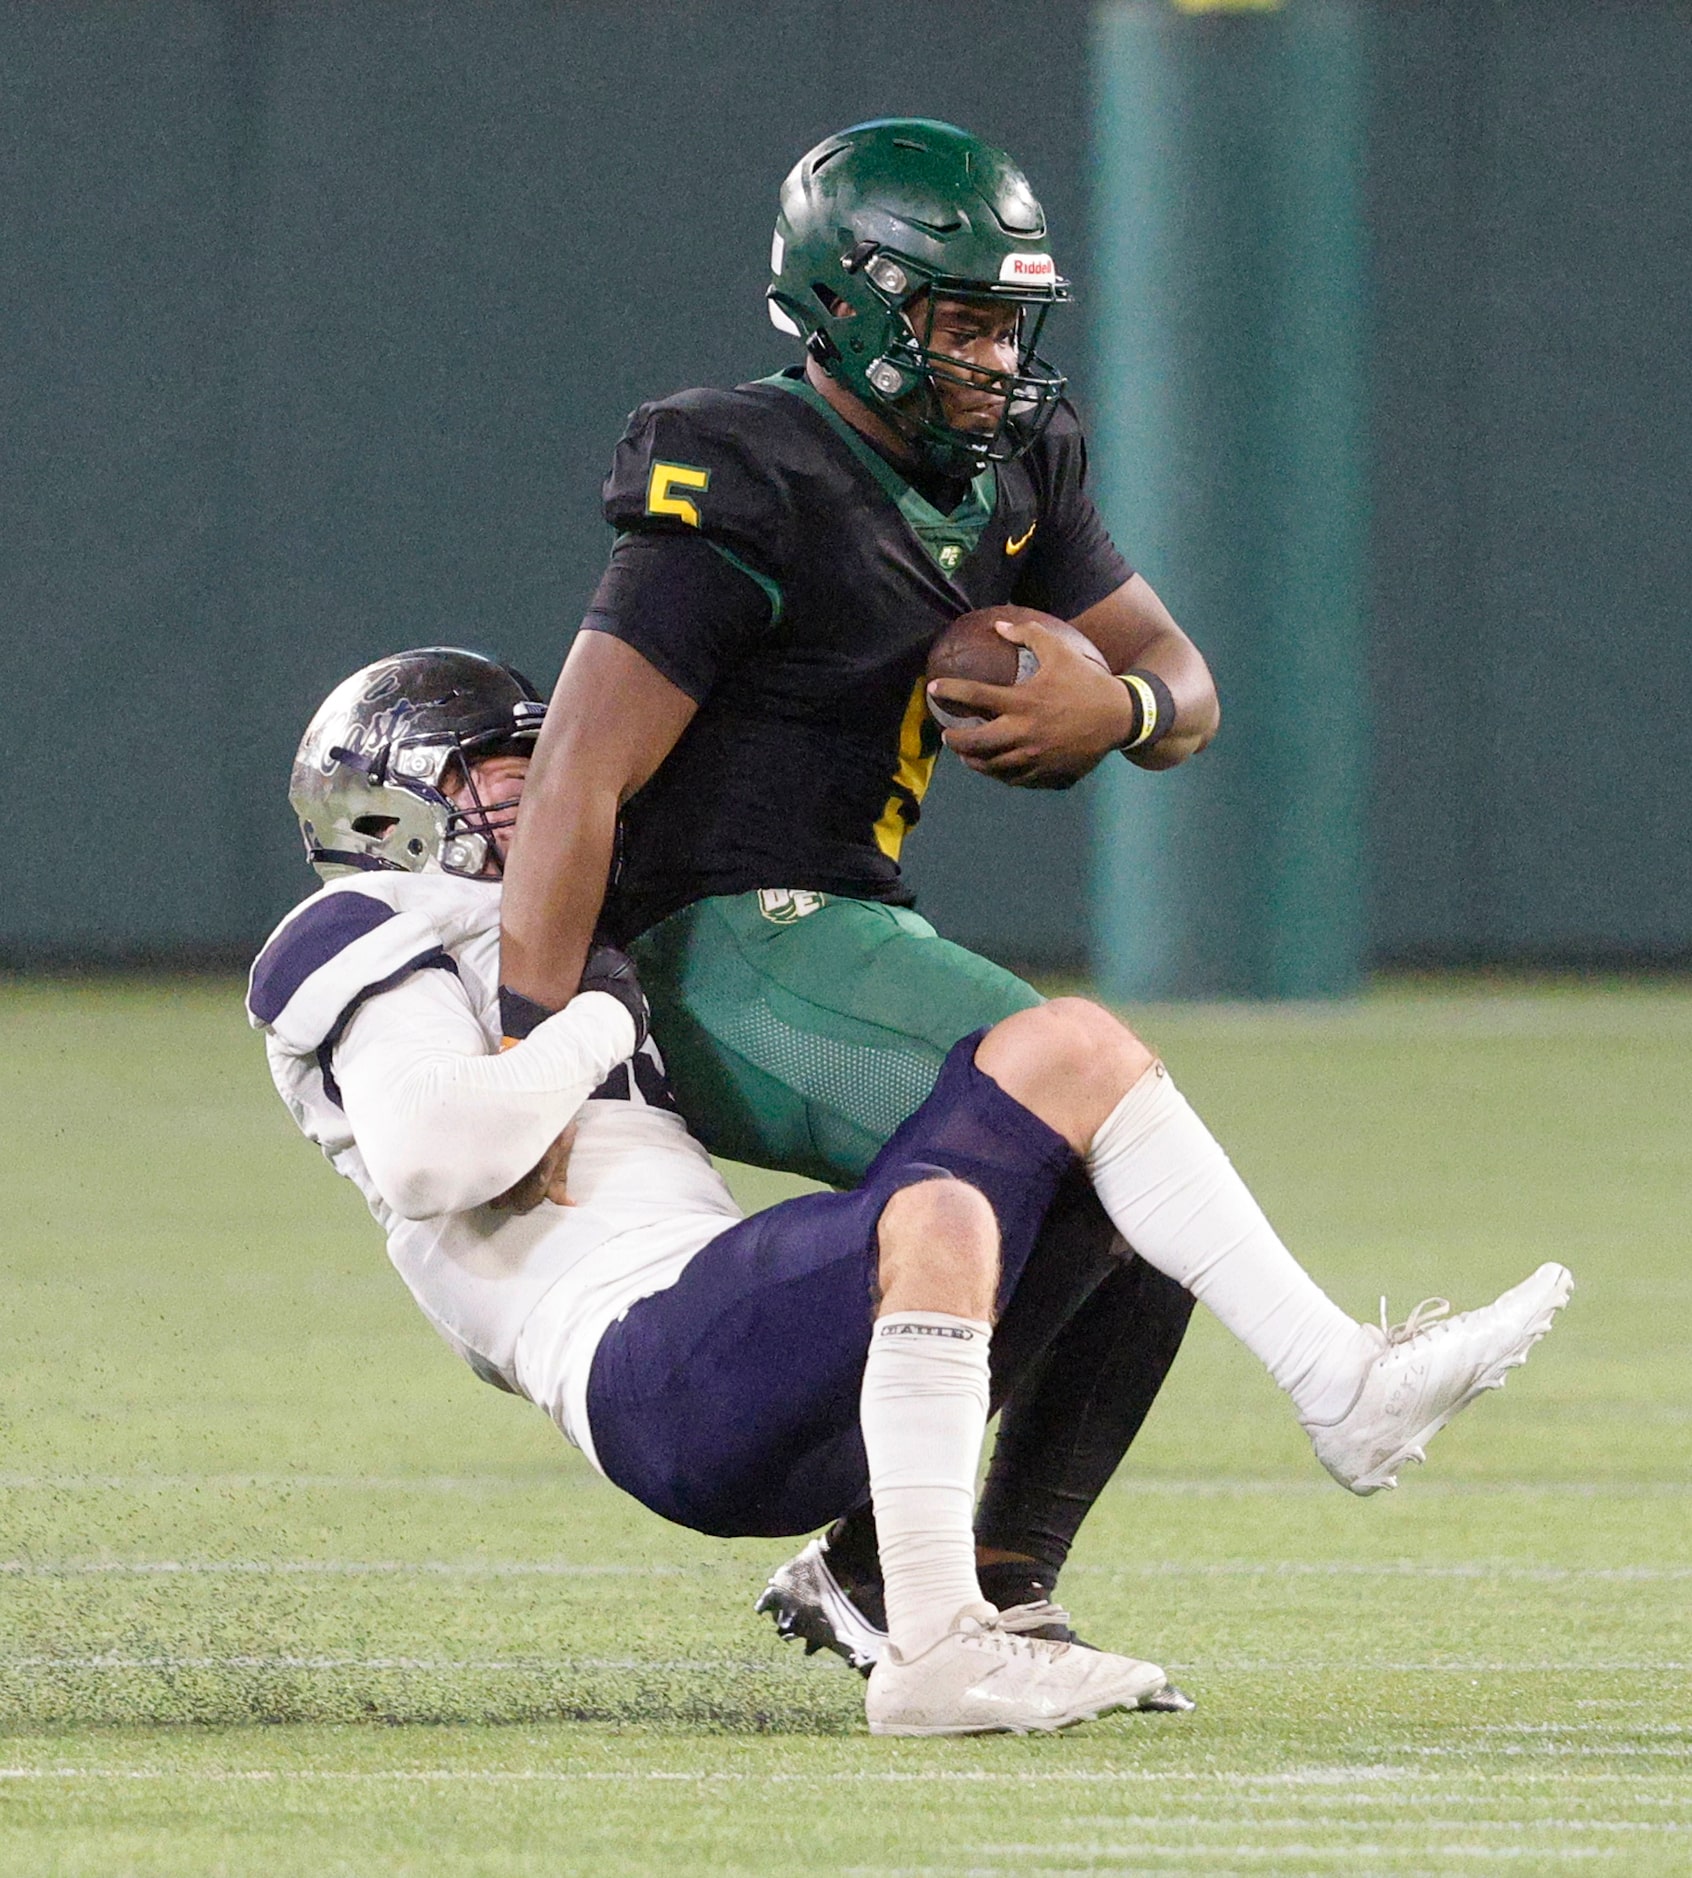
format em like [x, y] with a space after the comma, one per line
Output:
[1030, 267]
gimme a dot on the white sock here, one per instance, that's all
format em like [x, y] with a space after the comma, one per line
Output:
[1174, 1196]
[924, 1413]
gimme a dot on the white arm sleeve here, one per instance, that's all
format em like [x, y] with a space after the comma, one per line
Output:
[442, 1124]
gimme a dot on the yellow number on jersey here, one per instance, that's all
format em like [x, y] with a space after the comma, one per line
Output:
[919, 748]
[668, 477]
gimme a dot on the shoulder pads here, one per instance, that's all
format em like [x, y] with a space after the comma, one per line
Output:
[339, 948]
[705, 460]
[1062, 438]
[1057, 461]
[1062, 442]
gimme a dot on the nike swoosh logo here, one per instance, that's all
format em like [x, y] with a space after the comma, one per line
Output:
[1022, 541]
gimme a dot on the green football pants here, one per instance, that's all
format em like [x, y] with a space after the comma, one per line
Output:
[800, 1029]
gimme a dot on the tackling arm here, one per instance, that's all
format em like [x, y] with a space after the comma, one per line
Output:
[612, 720]
[442, 1125]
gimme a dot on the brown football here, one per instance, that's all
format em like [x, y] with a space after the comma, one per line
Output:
[972, 648]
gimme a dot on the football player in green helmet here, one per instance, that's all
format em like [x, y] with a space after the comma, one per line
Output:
[931, 316]
[747, 704]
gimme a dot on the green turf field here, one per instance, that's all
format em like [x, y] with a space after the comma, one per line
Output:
[286, 1591]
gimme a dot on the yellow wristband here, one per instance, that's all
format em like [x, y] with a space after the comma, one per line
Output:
[1146, 699]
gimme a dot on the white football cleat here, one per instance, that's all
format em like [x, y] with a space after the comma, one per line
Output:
[1429, 1367]
[983, 1679]
[809, 1600]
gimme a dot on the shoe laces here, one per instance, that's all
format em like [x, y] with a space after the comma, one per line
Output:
[1036, 1616]
[999, 1636]
[1426, 1316]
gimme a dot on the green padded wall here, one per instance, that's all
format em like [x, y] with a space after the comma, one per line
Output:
[322, 321]
[1230, 446]
[1531, 200]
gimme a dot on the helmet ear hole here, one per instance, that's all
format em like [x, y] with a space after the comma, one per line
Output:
[375, 826]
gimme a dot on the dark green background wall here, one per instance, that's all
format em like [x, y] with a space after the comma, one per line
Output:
[320, 322]
[1230, 236]
[1532, 211]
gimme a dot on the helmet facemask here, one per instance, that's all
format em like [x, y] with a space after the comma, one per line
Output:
[473, 826]
[878, 342]
[907, 381]
[465, 840]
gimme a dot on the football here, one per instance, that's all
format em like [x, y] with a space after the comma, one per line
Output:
[971, 647]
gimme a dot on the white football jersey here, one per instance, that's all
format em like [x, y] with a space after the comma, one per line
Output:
[372, 994]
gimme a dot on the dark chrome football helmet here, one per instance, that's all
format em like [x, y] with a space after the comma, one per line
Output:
[367, 777]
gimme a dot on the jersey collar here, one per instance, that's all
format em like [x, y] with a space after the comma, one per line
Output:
[948, 539]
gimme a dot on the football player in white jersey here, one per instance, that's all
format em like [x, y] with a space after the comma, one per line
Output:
[567, 1236]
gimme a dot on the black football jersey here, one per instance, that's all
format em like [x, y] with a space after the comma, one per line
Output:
[785, 575]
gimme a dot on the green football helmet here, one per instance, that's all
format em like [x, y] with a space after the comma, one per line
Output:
[878, 222]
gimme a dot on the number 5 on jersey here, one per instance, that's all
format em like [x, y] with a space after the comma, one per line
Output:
[662, 484]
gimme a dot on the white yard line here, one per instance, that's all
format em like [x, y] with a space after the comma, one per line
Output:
[405, 1665]
[1530, 1574]
[1206, 1486]
[1303, 1822]
[542, 1666]
[1245, 1666]
[1297, 1778]
[344, 1568]
[562, 1568]
[278, 1483]
[1395, 1854]
[1555, 1750]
